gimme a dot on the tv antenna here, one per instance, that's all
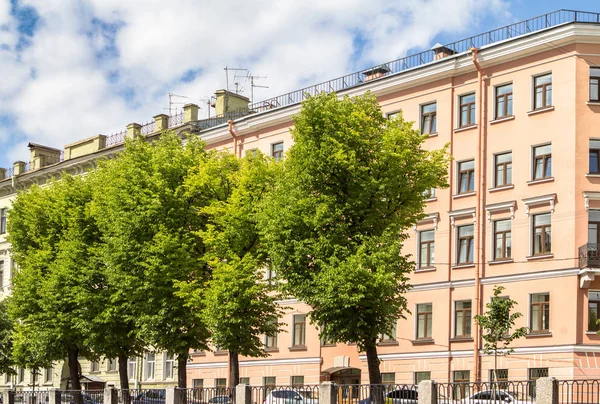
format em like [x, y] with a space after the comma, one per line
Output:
[252, 85]
[171, 102]
[227, 69]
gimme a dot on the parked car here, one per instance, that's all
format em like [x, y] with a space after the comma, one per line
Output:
[218, 400]
[399, 396]
[86, 399]
[151, 397]
[291, 396]
[498, 396]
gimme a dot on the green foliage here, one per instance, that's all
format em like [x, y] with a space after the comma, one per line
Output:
[497, 323]
[56, 288]
[6, 339]
[351, 184]
[150, 227]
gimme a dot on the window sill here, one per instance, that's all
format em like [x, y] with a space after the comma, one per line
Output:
[112, 371]
[466, 194]
[430, 199]
[502, 261]
[428, 269]
[465, 128]
[591, 333]
[539, 257]
[434, 134]
[503, 119]
[540, 181]
[542, 334]
[221, 353]
[297, 348]
[593, 103]
[502, 188]
[327, 345]
[540, 110]
[593, 175]
[461, 266]
[461, 339]
[95, 372]
[198, 354]
[424, 341]
[387, 343]
[271, 349]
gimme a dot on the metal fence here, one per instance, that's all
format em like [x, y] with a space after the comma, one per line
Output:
[212, 395]
[368, 393]
[87, 396]
[220, 120]
[116, 138]
[488, 392]
[578, 391]
[147, 128]
[175, 120]
[285, 394]
[396, 66]
[141, 396]
[32, 397]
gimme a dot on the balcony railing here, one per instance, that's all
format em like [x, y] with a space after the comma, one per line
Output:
[589, 255]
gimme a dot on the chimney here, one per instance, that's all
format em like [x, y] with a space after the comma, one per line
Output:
[42, 156]
[441, 51]
[229, 102]
[375, 72]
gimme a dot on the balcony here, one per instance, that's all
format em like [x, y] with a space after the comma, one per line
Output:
[589, 256]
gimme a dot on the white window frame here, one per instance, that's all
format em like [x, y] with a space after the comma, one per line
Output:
[166, 362]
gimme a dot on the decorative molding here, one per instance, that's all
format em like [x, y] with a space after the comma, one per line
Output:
[498, 207]
[259, 362]
[461, 213]
[431, 217]
[590, 196]
[540, 200]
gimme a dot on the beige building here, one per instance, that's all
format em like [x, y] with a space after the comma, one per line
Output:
[521, 115]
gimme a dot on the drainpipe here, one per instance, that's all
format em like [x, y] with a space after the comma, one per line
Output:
[450, 207]
[480, 218]
[235, 138]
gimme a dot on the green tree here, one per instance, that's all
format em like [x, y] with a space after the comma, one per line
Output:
[150, 227]
[6, 339]
[55, 290]
[237, 304]
[496, 325]
[349, 188]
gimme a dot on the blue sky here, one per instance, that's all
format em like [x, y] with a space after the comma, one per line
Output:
[93, 66]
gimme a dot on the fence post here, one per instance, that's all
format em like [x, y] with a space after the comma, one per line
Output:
[243, 394]
[172, 396]
[111, 396]
[546, 390]
[428, 393]
[327, 393]
[54, 396]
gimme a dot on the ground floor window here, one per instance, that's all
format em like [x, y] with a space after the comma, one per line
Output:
[421, 376]
[534, 374]
[461, 390]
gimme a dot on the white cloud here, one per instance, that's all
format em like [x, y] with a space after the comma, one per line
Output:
[58, 90]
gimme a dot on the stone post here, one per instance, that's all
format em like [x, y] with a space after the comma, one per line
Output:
[19, 167]
[2, 173]
[327, 393]
[243, 394]
[546, 391]
[111, 395]
[428, 392]
[133, 130]
[54, 396]
[161, 122]
[173, 395]
[190, 113]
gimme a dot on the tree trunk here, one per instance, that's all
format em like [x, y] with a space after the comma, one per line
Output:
[181, 370]
[374, 372]
[124, 378]
[74, 374]
[234, 369]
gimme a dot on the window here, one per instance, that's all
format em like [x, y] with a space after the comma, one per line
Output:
[428, 119]
[467, 110]
[388, 378]
[391, 337]
[594, 84]
[465, 244]
[132, 368]
[501, 377]
[245, 380]
[540, 313]
[252, 152]
[593, 305]
[94, 367]
[466, 177]
[426, 248]
[169, 372]
[277, 151]
[504, 101]
[503, 169]
[299, 330]
[534, 374]
[542, 91]
[150, 366]
[271, 341]
[270, 274]
[297, 381]
[462, 319]
[542, 162]
[424, 320]
[111, 365]
[2, 220]
[429, 193]
[421, 376]
[197, 383]
[269, 383]
[393, 115]
[502, 239]
[20, 375]
[48, 375]
[542, 234]
[594, 156]
[221, 385]
[462, 390]
[593, 226]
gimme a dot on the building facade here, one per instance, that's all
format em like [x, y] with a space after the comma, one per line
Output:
[521, 117]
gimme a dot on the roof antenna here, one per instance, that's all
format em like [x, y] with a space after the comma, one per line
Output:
[252, 85]
[227, 69]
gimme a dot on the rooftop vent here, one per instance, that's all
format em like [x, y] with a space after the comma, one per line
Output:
[441, 51]
[376, 72]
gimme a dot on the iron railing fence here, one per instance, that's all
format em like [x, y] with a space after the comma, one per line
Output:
[203, 124]
[175, 120]
[502, 391]
[142, 396]
[578, 391]
[285, 394]
[210, 395]
[147, 128]
[87, 396]
[368, 393]
[116, 138]
[539, 23]
[31, 397]
[589, 255]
